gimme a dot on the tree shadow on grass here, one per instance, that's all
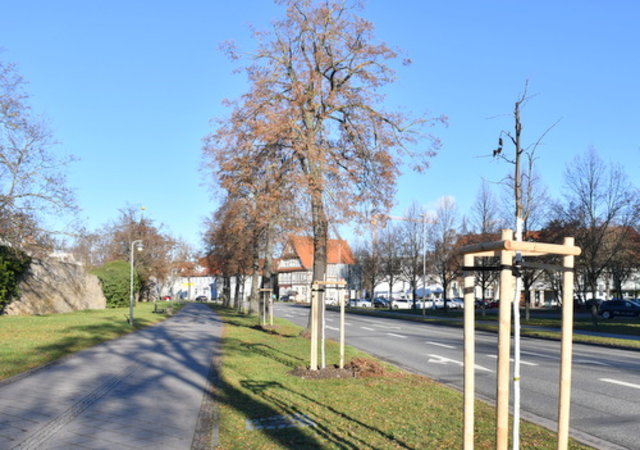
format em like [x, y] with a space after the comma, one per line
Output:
[324, 424]
[255, 409]
[277, 355]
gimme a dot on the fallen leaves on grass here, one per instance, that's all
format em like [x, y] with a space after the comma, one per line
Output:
[356, 368]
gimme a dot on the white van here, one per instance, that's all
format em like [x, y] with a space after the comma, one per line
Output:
[401, 303]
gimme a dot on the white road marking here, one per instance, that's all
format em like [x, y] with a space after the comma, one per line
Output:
[367, 328]
[524, 363]
[333, 328]
[591, 362]
[440, 345]
[388, 326]
[328, 320]
[621, 383]
[348, 323]
[437, 359]
[397, 335]
[541, 355]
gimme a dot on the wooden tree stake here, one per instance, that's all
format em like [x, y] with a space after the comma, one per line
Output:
[566, 349]
[469, 352]
[504, 338]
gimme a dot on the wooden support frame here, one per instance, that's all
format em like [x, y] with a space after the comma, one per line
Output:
[316, 288]
[506, 249]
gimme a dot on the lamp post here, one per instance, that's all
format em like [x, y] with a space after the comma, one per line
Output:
[138, 245]
[424, 262]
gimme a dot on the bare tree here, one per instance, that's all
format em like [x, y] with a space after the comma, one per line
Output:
[444, 258]
[412, 234]
[604, 204]
[32, 180]
[391, 255]
[486, 223]
[369, 259]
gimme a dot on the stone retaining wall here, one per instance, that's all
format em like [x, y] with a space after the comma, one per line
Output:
[57, 287]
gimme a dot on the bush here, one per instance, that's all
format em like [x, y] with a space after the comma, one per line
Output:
[115, 278]
[13, 266]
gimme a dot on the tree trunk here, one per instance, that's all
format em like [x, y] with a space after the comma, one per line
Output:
[238, 295]
[226, 291]
[320, 236]
[391, 280]
[483, 288]
[594, 307]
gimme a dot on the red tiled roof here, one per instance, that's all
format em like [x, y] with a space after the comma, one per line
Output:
[338, 251]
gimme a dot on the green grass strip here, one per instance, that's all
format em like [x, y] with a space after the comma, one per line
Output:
[32, 341]
[399, 410]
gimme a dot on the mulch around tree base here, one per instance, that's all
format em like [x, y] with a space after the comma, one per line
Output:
[356, 368]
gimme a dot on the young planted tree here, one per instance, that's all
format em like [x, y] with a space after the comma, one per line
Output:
[32, 179]
[314, 91]
[521, 216]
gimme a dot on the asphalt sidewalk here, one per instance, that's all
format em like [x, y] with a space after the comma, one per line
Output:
[148, 389]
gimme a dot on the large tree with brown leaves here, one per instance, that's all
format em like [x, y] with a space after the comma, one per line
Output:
[314, 105]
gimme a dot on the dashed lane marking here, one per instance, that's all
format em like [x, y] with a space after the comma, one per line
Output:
[437, 359]
[367, 328]
[524, 363]
[620, 383]
[438, 344]
[397, 335]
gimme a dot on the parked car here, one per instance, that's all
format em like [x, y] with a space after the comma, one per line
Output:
[480, 303]
[401, 303]
[201, 298]
[455, 303]
[331, 301]
[614, 308]
[380, 302]
[492, 304]
[166, 298]
[359, 303]
[438, 303]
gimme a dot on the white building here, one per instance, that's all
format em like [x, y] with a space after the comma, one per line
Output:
[295, 268]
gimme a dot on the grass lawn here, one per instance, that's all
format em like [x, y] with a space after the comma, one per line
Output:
[31, 341]
[399, 410]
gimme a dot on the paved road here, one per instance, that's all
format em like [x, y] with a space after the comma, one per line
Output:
[144, 390]
[605, 409]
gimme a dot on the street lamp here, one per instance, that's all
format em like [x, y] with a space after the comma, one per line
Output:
[424, 262]
[138, 246]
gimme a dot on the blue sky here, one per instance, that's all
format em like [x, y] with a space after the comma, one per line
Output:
[130, 87]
